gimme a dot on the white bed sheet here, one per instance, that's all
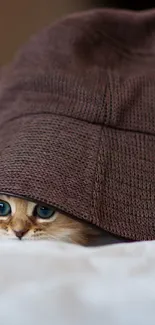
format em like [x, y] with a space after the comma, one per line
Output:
[48, 283]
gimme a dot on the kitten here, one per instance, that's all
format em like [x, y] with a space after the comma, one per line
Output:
[24, 219]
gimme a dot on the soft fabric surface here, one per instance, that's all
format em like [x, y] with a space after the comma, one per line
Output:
[59, 284]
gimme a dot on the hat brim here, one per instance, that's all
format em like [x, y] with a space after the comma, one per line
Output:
[103, 175]
[50, 159]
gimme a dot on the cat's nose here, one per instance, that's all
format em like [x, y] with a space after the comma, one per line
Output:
[19, 233]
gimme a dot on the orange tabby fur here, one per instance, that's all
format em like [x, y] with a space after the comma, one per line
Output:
[59, 227]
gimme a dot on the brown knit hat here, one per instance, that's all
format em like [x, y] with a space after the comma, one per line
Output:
[77, 120]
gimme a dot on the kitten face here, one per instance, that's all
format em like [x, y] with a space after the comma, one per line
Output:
[23, 219]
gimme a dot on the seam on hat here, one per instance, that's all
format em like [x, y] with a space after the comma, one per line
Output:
[94, 180]
[130, 130]
[146, 133]
[109, 110]
[52, 114]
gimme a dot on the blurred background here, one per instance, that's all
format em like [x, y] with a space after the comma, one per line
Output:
[20, 18]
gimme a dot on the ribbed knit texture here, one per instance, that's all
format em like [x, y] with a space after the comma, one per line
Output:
[77, 120]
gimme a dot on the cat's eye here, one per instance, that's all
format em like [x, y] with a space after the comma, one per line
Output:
[44, 212]
[5, 209]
